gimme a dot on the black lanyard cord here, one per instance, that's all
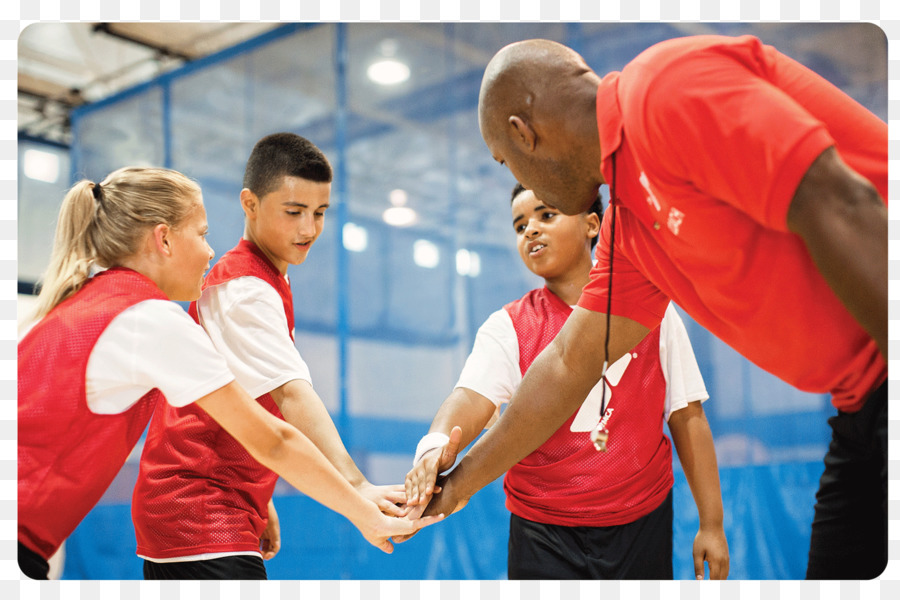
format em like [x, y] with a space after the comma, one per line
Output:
[612, 241]
[600, 435]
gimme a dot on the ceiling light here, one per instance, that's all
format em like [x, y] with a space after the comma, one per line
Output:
[356, 238]
[42, 166]
[426, 254]
[398, 197]
[468, 263]
[400, 216]
[388, 72]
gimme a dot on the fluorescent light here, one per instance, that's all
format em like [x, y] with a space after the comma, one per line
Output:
[400, 216]
[388, 72]
[426, 254]
[42, 166]
[468, 263]
[356, 238]
[398, 197]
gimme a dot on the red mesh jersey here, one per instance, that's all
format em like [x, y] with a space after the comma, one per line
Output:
[68, 455]
[199, 490]
[566, 481]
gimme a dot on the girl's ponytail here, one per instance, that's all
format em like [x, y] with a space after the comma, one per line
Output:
[73, 253]
[100, 224]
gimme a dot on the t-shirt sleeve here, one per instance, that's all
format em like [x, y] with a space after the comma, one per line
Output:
[153, 344]
[684, 383]
[492, 368]
[714, 118]
[245, 319]
[634, 296]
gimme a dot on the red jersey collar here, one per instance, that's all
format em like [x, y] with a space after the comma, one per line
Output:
[554, 299]
[248, 245]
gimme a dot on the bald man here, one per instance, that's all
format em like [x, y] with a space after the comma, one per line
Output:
[748, 190]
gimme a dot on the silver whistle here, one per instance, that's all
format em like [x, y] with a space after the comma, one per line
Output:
[599, 436]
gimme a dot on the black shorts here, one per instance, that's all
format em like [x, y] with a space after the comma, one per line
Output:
[227, 567]
[32, 564]
[849, 536]
[641, 549]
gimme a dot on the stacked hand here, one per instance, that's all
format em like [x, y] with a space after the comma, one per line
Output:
[424, 494]
[379, 528]
[402, 510]
[388, 498]
[385, 524]
[421, 481]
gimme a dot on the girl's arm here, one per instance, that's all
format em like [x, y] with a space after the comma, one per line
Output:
[285, 450]
[694, 444]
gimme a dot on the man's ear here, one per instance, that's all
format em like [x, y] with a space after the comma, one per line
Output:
[160, 235]
[250, 203]
[522, 133]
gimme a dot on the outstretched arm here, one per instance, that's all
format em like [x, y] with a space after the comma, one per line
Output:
[553, 388]
[282, 448]
[302, 408]
[843, 221]
[694, 444]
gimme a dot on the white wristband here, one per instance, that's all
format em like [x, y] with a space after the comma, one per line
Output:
[433, 440]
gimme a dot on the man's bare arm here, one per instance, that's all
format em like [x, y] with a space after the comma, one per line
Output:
[554, 387]
[843, 221]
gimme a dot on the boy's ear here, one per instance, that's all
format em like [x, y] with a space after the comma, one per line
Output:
[250, 203]
[593, 223]
[522, 133]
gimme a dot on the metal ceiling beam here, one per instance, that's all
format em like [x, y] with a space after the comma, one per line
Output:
[109, 30]
[49, 91]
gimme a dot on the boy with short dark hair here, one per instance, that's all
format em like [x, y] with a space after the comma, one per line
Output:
[202, 506]
[577, 513]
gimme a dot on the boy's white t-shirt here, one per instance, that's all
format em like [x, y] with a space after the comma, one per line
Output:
[152, 344]
[244, 317]
[492, 369]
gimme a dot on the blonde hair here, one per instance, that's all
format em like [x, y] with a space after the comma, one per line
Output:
[102, 223]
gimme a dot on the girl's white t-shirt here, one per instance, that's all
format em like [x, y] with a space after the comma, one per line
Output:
[152, 344]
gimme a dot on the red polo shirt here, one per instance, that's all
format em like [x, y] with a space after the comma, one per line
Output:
[710, 137]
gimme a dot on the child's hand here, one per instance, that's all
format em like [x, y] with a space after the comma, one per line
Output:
[420, 481]
[270, 539]
[414, 512]
[712, 547]
[382, 529]
[386, 497]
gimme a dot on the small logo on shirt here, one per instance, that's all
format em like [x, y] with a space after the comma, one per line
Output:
[676, 217]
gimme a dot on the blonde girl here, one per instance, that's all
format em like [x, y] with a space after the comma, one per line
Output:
[108, 346]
